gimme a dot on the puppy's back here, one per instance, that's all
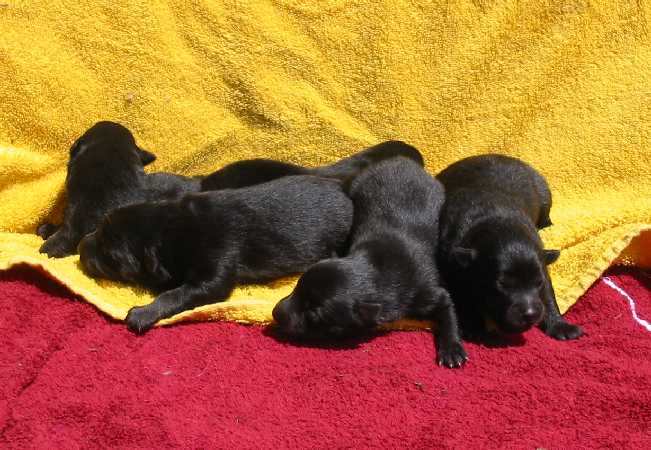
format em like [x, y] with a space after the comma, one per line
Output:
[279, 227]
[398, 192]
[383, 151]
[105, 171]
[249, 173]
[296, 199]
[500, 175]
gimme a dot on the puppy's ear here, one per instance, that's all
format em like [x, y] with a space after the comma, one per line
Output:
[464, 256]
[551, 256]
[145, 156]
[153, 266]
[369, 313]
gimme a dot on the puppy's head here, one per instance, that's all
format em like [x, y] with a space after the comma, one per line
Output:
[509, 279]
[113, 140]
[326, 303]
[124, 249]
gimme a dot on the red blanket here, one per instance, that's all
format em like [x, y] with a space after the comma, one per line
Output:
[69, 378]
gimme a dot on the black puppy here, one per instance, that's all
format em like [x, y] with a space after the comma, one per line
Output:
[255, 171]
[105, 171]
[390, 272]
[196, 249]
[490, 252]
[105, 166]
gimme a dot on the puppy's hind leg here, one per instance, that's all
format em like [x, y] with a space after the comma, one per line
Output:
[553, 324]
[449, 348]
[187, 296]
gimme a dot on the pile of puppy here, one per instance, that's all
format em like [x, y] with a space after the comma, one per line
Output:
[376, 238]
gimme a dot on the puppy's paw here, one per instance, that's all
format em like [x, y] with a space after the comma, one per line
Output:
[45, 230]
[452, 355]
[140, 319]
[57, 248]
[563, 331]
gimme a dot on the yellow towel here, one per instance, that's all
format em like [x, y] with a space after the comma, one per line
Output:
[565, 85]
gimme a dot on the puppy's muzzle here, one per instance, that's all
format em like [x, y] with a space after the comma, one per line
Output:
[523, 316]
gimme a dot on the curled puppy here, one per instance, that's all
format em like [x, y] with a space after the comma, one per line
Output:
[490, 252]
[106, 171]
[196, 249]
[255, 171]
[390, 271]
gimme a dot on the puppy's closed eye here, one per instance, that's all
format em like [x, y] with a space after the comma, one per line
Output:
[506, 283]
[369, 312]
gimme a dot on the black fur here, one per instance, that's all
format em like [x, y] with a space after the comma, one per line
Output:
[255, 171]
[196, 249]
[250, 172]
[105, 171]
[390, 272]
[490, 252]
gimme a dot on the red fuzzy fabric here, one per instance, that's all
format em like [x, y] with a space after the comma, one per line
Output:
[69, 378]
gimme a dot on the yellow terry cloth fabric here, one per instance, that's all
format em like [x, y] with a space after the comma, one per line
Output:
[563, 84]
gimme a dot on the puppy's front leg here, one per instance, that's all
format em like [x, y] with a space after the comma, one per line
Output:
[553, 324]
[174, 301]
[449, 348]
[46, 229]
[62, 243]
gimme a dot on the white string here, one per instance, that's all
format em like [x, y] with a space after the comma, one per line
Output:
[631, 303]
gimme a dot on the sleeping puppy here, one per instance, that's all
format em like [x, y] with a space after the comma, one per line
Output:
[390, 271]
[490, 252]
[196, 249]
[106, 171]
[255, 171]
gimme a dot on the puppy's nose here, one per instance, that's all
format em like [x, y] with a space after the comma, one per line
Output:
[531, 314]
